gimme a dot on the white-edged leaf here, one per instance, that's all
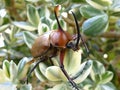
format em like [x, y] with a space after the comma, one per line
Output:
[8, 86]
[90, 26]
[107, 86]
[29, 38]
[15, 53]
[24, 25]
[115, 6]
[72, 61]
[42, 28]
[42, 11]
[6, 66]
[54, 73]
[84, 71]
[4, 27]
[55, 2]
[33, 15]
[3, 77]
[39, 75]
[33, 1]
[61, 86]
[23, 68]
[54, 25]
[43, 68]
[100, 4]
[1, 21]
[46, 20]
[87, 87]
[97, 69]
[13, 71]
[106, 77]
[88, 11]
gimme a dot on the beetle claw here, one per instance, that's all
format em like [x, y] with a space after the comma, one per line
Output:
[73, 84]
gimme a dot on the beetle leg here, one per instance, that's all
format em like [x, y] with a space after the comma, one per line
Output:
[62, 53]
[39, 61]
[79, 36]
[51, 61]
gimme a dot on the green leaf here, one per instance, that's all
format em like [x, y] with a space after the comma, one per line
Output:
[8, 86]
[78, 1]
[6, 38]
[87, 87]
[29, 38]
[58, 1]
[1, 21]
[106, 77]
[15, 53]
[46, 20]
[87, 11]
[72, 61]
[39, 75]
[83, 72]
[4, 27]
[14, 31]
[3, 76]
[95, 25]
[13, 71]
[6, 66]
[33, 15]
[61, 86]
[23, 68]
[42, 11]
[97, 69]
[24, 25]
[33, 1]
[54, 73]
[115, 7]
[108, 86]
[100, 4]
[54, 25]
[42, 28]
[117, 25]
[43, 68]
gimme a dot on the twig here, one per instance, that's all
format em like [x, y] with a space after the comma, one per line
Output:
[111, 35]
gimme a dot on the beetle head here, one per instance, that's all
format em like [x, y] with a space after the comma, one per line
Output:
[73, 45]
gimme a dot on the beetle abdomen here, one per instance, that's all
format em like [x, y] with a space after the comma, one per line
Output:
[40, 45]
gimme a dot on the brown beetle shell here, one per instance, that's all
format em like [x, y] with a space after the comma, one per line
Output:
[40, 45]
[56, 38]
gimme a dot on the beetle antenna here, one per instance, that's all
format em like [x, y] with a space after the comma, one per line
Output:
[79, 35]
[56, 9]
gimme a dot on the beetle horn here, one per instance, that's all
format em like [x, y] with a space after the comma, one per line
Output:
[79, 35]
[56, 10]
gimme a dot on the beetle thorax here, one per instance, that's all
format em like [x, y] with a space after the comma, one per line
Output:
[60, 38]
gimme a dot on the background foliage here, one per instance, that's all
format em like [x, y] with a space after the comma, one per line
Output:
[21, 21]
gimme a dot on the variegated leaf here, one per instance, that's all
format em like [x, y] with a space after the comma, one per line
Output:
[83, 72]
[72, 61]
[39, 75]
[6, 66]
[54, 73]
[13, 71]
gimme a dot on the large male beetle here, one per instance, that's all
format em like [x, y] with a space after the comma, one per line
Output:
[55, 42]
